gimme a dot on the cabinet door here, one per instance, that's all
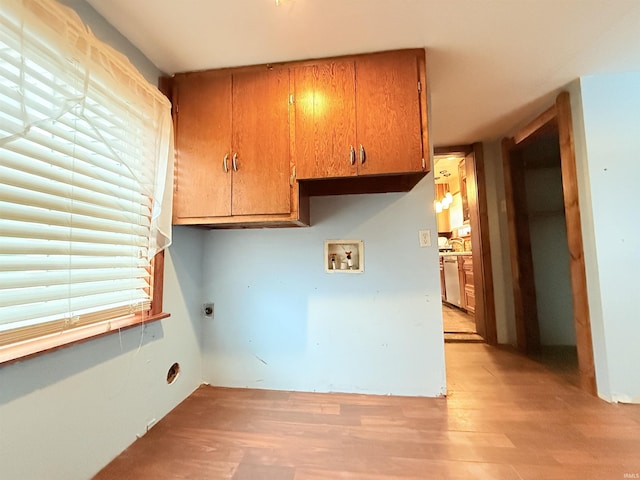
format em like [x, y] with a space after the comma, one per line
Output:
[467, 283]
[442, 282]
[388, 113]
[202, 139]
[261, 142]
[325, 124]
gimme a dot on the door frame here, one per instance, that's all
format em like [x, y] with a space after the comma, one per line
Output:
[556, 119]
[485, 312]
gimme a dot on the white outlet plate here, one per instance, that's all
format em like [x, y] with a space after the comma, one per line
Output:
[425, 238]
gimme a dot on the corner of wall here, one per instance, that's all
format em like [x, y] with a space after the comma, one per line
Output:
[610, 106]
[498, 237]
[67, 413]
[588, 239]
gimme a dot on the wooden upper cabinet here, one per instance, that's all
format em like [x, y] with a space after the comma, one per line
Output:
[202, 139]
[244, 136]
[388, 113]
[232, 144]
[325, 119]
[359, 115]
[261, 168]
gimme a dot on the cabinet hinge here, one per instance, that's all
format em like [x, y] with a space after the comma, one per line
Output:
[292, 178]
[419, 86]
[424, 164]
[292, 99]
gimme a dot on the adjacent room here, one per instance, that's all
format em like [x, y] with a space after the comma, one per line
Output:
[304, 240]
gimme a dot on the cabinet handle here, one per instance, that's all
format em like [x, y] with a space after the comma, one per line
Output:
[224, 163]
[352, 155]
[234, 162]
[363, 155]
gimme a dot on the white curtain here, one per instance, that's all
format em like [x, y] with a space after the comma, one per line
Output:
[65, 68]
[86, 171]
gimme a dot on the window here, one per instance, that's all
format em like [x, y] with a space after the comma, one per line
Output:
[85, 173]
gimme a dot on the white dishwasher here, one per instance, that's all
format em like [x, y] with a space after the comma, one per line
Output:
[451, 280]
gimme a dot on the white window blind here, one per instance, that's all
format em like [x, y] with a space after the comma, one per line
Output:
[85, 161]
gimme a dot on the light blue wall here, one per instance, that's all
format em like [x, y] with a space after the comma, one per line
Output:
[65, 414]
[550, 253]
[281, 322]
[607, 153]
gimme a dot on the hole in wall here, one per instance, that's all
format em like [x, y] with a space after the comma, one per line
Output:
[173, 372]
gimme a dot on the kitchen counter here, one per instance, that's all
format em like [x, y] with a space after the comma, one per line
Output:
[451, 254]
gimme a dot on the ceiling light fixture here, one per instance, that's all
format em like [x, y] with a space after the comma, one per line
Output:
[445, 202]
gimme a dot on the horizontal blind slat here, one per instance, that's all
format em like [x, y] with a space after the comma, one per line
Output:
[28, 213]
[40, 185]
[44, 293]
[31, 330]
[30, 278]
[10, 228]
[29, 246]
[29, 314]
[26, 197]
[25, 156]
[18, 151]
[67, 262]
[13, 105]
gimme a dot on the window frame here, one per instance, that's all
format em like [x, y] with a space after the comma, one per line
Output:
[30, 347]
[47, 343]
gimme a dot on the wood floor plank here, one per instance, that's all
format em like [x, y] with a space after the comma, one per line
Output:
[505, 417]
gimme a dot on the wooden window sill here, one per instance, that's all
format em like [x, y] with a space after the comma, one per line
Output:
[47, 343]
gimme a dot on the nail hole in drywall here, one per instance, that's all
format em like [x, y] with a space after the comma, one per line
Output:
[173, 372]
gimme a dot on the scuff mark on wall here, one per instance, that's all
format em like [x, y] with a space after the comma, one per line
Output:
[260, 359]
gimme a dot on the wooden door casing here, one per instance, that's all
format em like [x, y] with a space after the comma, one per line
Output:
[556, 119]
[483, 292]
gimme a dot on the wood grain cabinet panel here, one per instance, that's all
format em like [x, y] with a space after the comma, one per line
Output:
[232, 147]
[260, 142]
[359, 116]
[388, 113]
[467, 286]
[245, 136]
[202, 140]
[325, 120]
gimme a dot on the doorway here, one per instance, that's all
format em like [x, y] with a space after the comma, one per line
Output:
[543, 215]
[468, 307]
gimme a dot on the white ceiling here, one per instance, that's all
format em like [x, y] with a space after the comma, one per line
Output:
[492, 64]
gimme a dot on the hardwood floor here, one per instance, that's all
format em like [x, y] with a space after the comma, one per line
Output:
[458, 325]
[505, 417]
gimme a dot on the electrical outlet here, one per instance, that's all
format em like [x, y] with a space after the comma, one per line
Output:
[207, 310]
[425, 238]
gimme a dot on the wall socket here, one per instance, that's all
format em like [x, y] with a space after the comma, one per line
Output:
[425, 238]
[207, 310]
